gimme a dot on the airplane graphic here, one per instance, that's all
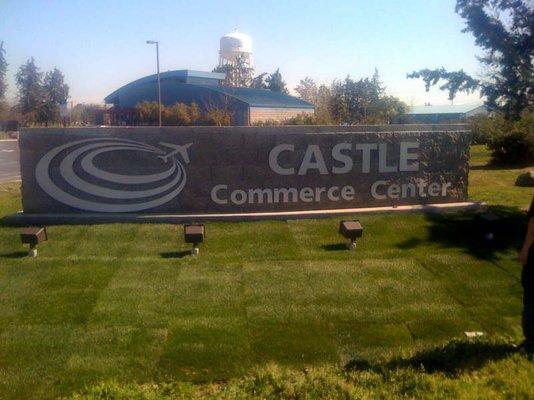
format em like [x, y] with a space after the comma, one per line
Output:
[181, 149]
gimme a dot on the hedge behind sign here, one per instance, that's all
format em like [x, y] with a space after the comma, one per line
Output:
[238, 169]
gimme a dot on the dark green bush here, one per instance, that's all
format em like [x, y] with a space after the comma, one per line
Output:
[526, 179]
[267, 122]
[483, 128]
[302, 119]
[512, 143]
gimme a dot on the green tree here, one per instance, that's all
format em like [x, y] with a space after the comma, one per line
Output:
[30, 91]
[320, 97]
[337, 105]
[55, 88]
[352, 100]
[276, 83]
[322, 105]
[307, 90]
[229, 72]
[238, 74]
[376, 85]
[3, 71]
[387, 108]
[361, 101]
[259, 81]
[503, 29]
[55, 92]
[87, 114]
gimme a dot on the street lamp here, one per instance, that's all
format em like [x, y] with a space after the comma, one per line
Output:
[159, 85]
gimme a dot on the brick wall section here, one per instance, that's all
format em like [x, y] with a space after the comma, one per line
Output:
[277, 114]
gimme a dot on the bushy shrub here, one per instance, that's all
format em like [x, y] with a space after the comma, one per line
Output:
[194, 113]
[218, 117]
[512, 143]
[267, 122]
[301, 119]
[526, 179]
[180, 114]
[148, 112]
[483, 128]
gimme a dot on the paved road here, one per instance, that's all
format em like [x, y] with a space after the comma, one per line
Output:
[9, 161]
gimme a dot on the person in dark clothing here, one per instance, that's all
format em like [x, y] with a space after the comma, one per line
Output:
[526, 257]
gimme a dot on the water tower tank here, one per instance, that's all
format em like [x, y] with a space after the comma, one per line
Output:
[233, 45]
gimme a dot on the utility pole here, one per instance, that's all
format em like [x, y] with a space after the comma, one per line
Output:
[159, 82]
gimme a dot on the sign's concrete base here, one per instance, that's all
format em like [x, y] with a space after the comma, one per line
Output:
[23, 219]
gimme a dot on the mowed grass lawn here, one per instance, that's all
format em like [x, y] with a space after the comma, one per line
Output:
[269, 309]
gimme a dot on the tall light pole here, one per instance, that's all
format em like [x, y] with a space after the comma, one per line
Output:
[159, 84]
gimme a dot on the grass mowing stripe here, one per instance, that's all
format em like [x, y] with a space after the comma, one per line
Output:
[480, 288]
[32, 359]
[206, 348]
[509, 273]
[51, 309]
[452, 292]
[119, 352]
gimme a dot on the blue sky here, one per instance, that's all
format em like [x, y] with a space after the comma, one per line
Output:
[100, 45]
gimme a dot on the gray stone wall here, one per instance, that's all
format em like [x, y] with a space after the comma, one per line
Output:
[237, 169]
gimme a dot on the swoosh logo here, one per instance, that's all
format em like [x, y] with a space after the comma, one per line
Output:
[70, 174]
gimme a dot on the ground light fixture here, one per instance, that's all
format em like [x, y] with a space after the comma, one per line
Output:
[33, 236]
[194, 234]
[489, 225]
[351, 230]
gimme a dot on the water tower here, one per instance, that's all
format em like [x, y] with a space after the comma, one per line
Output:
[235, 48]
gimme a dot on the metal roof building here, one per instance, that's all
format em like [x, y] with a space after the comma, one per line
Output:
[443, 113]
[246, 105]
